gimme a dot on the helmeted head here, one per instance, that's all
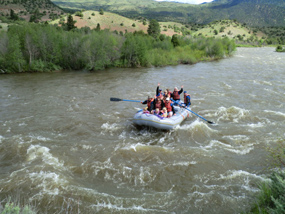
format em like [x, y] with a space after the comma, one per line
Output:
[167, 99]
[175, 89]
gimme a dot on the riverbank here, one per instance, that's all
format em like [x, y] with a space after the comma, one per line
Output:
[45, 48]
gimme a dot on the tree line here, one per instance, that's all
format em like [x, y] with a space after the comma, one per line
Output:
[30, 47]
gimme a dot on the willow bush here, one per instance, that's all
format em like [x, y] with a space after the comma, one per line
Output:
[30, 47]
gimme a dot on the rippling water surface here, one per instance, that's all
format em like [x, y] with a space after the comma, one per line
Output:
[65, 147]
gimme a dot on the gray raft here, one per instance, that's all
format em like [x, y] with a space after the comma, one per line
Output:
[146, 119]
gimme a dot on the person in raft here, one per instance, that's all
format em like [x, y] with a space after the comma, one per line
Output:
[145, 110]
[149, 103]
[156, 112]
[169, 105]
[164, 112]
[176, 94]
[187, 99]
[159, 92]
[158, 103]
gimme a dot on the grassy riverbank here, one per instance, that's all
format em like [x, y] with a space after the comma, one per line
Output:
[271, 198]
[28, 47]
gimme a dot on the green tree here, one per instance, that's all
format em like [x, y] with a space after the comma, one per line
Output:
[70, 23]
[174, 40]
[14, 57]
[101, 12]
[134, 50]
[153, 28]
[13, 15]
[98, 28]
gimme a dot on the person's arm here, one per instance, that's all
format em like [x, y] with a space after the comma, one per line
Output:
[157, 89]
[181, 90]
[144, 102]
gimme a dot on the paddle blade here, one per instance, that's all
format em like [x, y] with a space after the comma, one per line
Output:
[210, 122]
[115, 99]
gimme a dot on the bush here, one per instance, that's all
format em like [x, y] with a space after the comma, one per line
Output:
[279, 48]
[13, 208]
[271, 198]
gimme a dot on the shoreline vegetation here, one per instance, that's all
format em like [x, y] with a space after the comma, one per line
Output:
[30, 47]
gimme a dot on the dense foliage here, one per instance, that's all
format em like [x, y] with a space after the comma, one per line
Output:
[271, 198]
[42, 47]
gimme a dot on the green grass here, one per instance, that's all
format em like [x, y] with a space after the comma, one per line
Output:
[4, 27]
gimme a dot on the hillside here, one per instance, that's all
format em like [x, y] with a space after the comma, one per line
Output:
[40, 10]
[251, 12]
[231, 29]
[118, 23]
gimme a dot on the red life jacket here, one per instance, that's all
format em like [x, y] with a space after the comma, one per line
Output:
[176, 95]
[160, 95]
[158, 104]
[167, 104]
[149, 103]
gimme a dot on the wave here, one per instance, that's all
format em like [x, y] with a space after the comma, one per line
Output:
[198, 126]
[233, 114]
[135, 208]
[49, 182]
[237, 149]
[275, 112]
[234, 174]
[109, 128]
[42, 152]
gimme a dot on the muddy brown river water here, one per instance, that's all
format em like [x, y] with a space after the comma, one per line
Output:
[65, 148]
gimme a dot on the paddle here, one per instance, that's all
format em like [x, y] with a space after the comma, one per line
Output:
[200, 116]
[118, 99]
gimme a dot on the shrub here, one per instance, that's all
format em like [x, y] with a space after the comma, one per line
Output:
[271, 198]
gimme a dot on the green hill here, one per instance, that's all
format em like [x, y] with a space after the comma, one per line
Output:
[40, 10]
[251, 12]
[118, 23]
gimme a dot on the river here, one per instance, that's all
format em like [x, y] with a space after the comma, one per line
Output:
[65, 148]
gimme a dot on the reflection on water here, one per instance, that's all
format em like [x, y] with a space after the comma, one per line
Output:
[65, 147]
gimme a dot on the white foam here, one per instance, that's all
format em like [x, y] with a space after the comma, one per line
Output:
[196, 126]
[231, 114]
[275, 112]
[257, 125]
[233, 174]
[185, 163]
[136, 208]
[107, 126]
[239, 149]
[36, 151]
[48, 181]
[237, 137]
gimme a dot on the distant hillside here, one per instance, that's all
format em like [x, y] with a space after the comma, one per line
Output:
[251, 12]
[42, 10]
[118, 23]
[241, 33]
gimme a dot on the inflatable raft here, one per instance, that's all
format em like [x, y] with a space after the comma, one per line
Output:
[146, 119]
